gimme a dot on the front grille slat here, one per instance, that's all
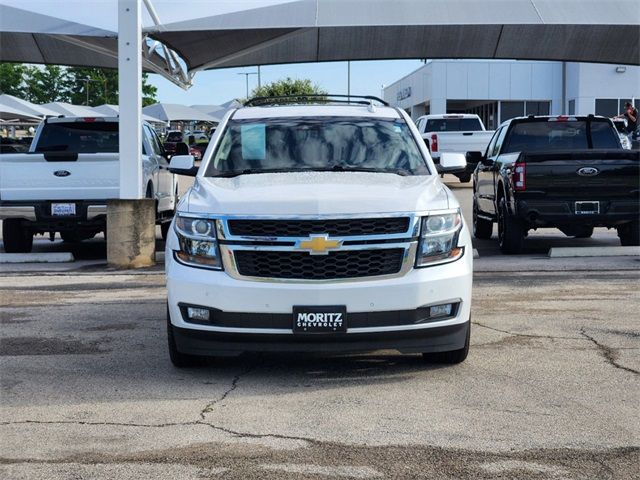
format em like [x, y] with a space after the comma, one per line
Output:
[342, 227]
[303, 266]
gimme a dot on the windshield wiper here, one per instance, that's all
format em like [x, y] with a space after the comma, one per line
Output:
[342, 168]
[334, 168]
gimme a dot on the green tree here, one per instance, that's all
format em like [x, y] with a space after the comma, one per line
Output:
[12, 79]
[100, 85]
[47, 84]
[288, 87]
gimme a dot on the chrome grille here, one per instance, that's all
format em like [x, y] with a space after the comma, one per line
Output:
[335, 265]
[342, 227]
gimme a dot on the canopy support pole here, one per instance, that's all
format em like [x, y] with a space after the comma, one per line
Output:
[131, 219]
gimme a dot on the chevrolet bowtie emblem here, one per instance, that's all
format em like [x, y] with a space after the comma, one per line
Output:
[319, 244]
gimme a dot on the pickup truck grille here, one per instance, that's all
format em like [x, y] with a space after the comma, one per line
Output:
[335, 265]
[301, 228]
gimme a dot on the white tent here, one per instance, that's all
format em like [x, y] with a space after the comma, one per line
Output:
[114, 110]
[69, 110]
[14, 114]
[27, 108]
[171, 112]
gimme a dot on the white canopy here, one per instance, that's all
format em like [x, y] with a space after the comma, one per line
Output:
[69, 110]
[10, 113]
[170, 112]
[114, 110]
[27, 108]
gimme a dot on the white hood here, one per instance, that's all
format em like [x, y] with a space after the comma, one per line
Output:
[316, 193]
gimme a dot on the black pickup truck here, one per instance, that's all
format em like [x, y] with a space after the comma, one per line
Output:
[570, 173]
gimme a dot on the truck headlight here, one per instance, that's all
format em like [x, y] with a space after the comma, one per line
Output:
[439, 234]
[198, 242]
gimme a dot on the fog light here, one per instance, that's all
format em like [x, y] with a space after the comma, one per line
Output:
[441, 310]
[201, 314]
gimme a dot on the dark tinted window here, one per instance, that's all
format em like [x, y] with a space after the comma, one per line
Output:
[80, 137]
[510, 110]
[607, 107]
[453, 125]
[174, 137]
[322, 143]
[545, 135]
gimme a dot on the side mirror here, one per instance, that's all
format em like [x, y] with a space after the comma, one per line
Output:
[473, 158]
[452, 163]
[183, 165]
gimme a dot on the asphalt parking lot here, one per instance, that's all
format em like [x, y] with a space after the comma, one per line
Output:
[550, 389]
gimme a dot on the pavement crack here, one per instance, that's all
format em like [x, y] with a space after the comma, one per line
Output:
[239, 434]
[526, 335]
[234, 384]
[111, 424]
[608, 353]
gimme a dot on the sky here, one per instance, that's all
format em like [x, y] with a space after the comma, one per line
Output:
[219, 86]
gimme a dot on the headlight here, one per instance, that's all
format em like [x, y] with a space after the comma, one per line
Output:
[439, 239]
[198, 242]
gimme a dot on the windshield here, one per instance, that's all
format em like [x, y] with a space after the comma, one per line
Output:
[453, 125]
[317, 144]
[79, 137]
[551, 135]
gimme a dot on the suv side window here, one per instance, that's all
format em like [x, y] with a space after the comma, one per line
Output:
[492, 143]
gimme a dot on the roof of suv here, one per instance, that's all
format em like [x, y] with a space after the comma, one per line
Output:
[315, 110]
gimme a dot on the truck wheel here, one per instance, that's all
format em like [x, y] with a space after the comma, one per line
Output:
[17, 238]
[510, 231]
[452, 357]
[629, 234]
[164, 229]
[464, 177]
[178, 359]
[482, 229]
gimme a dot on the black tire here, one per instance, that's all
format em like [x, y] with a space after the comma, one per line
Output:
[584, 232]
[482, 229]
[452, 357]
[178, 359]
[629, 234]
[71, 237]
[464, 177]
[164, 230]
[17, 238]
[510, 231]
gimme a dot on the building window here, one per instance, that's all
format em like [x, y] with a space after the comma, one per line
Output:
[572, 107]
[537, 108]
[607, 107]
[510, 110]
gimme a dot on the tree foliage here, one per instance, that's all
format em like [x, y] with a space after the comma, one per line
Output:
[288, 87]
[77, 85]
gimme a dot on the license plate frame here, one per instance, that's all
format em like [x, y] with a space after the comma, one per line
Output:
[594, 209]
[63, 209]
[306, 319]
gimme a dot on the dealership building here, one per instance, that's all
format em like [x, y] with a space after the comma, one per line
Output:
[498, 90]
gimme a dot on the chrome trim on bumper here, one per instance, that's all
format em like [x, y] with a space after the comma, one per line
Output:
[21, 211]
[94, 211]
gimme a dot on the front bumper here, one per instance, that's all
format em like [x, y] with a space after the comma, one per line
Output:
[255, 300]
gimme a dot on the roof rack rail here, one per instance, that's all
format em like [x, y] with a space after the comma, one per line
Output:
[313, 98]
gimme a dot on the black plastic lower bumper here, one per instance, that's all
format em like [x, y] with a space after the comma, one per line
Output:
[206, 343]
[46, 221]
[558, 213]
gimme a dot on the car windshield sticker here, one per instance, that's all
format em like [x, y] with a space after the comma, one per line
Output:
[254, 145]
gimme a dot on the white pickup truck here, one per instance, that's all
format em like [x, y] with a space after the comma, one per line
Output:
[454, 133]
[318, 227]
[63, 183]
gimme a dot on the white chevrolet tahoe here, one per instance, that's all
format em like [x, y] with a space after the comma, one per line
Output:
[454, 133]
[63, 183]
[318, 227]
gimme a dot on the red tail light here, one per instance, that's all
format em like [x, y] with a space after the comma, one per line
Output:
[434, 143]
[519, 177]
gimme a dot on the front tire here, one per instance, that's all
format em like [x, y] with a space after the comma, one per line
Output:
[464, 177]
[584, 232]
[629, 234]
[452, 357]
[179, 359]
[17, 238]
[510, 231]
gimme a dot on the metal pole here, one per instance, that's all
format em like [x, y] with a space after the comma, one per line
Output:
[259, 77]
[348, 78]
[86, 89]
[130, 97]
[247, 79]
